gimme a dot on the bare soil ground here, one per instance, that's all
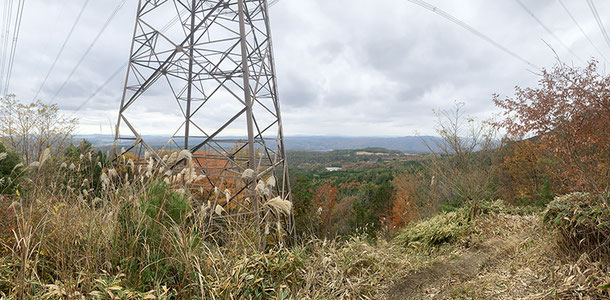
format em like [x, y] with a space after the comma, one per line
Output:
[510, 257]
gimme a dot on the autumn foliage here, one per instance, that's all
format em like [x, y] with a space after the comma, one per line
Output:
[570, 112]
[404, 209]
[325, 199]
[523, 172]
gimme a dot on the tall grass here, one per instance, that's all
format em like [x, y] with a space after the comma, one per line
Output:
[140, 232]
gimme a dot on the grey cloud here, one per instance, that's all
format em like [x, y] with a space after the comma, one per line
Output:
[345, 67]
[297, 91]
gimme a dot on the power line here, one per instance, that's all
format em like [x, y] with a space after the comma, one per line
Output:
[472, 30]
[99, 89]
[548, 29]
[6, 29]
[61, 50]
[174, 20]
[95, 40]
[13, 52]
[4, 10]
[270, 3]
[118, 71]
[581, 30]
[599, 21]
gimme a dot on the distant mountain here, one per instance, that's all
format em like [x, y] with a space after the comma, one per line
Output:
[410, 144]
[106, 140]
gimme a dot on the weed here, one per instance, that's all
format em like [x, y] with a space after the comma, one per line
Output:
[582, 224]
[440, 229]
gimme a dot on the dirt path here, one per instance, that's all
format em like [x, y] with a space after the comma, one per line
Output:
[436, 280]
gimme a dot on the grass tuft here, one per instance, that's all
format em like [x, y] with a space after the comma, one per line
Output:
[440, 229]
[582, 225]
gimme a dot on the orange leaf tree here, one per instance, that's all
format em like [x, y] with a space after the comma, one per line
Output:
[523, 173]
[570, 112]
[404, 208]
[325, 199]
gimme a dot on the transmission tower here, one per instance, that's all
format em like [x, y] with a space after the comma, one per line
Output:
[215, 60]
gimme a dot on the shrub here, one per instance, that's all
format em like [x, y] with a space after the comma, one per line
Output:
[440, 229]
[90, 169]
[164, 204]
[373, 202]
[9, 170]
[582, 224]
[406, 204]
[523, 173]
[304, 211]
[32, 128]
[461, 171]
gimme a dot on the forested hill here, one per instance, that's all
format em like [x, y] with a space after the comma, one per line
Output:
[411, 144]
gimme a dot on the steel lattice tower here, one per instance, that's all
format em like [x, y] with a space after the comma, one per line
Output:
[215, 59]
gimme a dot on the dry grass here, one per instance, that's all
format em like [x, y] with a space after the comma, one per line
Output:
[135, 236]
[436, 231]
[142, 234]
[529, 266]
[354, 269]
[581, 224]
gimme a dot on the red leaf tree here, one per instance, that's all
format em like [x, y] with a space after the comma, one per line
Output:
[570, 112]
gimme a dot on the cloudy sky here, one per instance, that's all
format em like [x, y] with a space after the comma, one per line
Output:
[345, 67]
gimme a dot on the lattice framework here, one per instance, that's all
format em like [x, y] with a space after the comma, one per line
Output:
[215, 59]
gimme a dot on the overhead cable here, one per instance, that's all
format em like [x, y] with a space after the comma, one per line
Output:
[15, 41]
[581, 30]
[472, 30]
[95, 40]
[122, 67]
[599, 21]
[7, 15]
[547, 29]
[61, 50]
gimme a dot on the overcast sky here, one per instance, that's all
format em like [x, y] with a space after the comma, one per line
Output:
[345, 67]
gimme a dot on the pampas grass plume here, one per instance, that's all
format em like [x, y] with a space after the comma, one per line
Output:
[248, 174]
[271, 181]
[44, 156]
[280, 205]
[185, 154]
[219, 210]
